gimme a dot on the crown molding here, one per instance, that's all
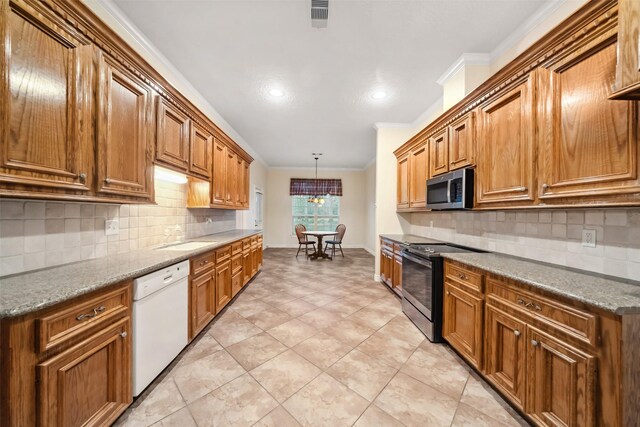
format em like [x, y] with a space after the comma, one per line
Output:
[464, 59]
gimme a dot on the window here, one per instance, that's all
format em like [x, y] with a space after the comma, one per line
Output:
[325, 217]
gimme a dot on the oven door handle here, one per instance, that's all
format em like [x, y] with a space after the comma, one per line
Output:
[420, 261]
[449, 191]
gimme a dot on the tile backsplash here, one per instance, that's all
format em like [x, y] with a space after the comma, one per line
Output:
[550, 236]
[37, 234]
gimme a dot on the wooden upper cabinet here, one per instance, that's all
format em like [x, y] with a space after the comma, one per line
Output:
[439, 156]
[45, 94]
[239, 181]
[173, 136]
[232, 179]
[219, 184]
[246, 180]
[462, 142]
[419, 174]
[588, 147]
[505, 148]
[200, 151]
[627, 83]
[561, 390]
[125, 129]
[403, 182]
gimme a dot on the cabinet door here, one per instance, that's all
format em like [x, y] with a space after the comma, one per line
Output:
[561, 382]
[88, 384]
[219, 185]
[439, 156]
[419, 175]
[259, 255]
[254, 260]
[124, 127]
[505, 363]
[397, 272]
[200, 151]
[462, 142]
[246, 266]
[403, 182]
[45, 94]
[223, 285]
[628, 66]
[462, 323]
[174, 133]
[232, 182]
[202, 302]
[246, 192]
[589, 146]
[505, 149]
[240, 187]
[236, 283]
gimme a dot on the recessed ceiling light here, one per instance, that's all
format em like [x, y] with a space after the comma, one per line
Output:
[379, 94]
[276, 92]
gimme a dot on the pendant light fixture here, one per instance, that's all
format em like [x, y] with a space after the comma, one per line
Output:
[317, 199]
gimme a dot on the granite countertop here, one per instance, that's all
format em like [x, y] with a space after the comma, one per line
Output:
[614, 295]
[410, 239]
[31, 291]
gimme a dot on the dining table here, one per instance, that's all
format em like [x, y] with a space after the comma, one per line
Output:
[319, 253]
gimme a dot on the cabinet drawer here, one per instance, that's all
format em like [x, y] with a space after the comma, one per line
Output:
[573, 321]
[223, 254]
[386, 244]
[464, 276]
[397, 249]
[236, 263]
[236, 248]
[260, 238]
[73, 320]
[254, 241]
[202, 263]
[246, 243]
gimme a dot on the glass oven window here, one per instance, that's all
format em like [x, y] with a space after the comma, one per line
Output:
[437, 193]
[417, 281]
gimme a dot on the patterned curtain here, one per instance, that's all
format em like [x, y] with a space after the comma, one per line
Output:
[315, 187]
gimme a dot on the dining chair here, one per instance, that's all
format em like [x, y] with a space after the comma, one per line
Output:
[303, 240]
[340, 229]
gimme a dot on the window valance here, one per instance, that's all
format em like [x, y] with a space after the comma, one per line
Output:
[315, 187]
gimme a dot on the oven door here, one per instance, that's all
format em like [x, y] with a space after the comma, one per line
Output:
[417, 282]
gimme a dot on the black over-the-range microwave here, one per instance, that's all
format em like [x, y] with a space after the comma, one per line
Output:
[453, 190]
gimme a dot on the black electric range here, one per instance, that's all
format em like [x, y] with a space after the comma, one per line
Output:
[423, 284]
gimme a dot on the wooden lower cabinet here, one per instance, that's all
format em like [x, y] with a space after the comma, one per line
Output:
[246, 266]
[462, 322]
[202, 300]
[558, 361]
[223, 285]
[560, 382]
[236, 283]
[505, 353]
[90, 383]
[397, 273]
[82, 376]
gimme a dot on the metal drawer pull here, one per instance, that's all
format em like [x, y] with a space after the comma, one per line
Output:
[123, 334]
[463, 276]
[82, 177]
[448, 293]
[534, 343]
[529, 304]
[204, 262]
[90, 315]
[516, 333]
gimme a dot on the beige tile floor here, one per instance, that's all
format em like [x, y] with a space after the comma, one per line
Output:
[317, 344]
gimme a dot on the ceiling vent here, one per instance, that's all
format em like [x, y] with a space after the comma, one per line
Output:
[319, 13]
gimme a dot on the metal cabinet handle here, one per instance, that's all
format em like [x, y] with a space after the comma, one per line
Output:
[107, 180]
[448, 293]
[123, 334]
[545, 187]
[82, 177]
[534, 343]
[204, 262]
[93, 314]
[462, 276]
[516, 333]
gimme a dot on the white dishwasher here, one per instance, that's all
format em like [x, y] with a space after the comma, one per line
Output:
[160, 321]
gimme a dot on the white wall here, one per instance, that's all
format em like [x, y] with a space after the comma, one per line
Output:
[370, 206]
[279, 232]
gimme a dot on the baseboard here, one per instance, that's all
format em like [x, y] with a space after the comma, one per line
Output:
[371, 251]
[377, 278]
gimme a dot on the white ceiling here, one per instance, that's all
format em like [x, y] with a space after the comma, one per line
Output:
[234, 52]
